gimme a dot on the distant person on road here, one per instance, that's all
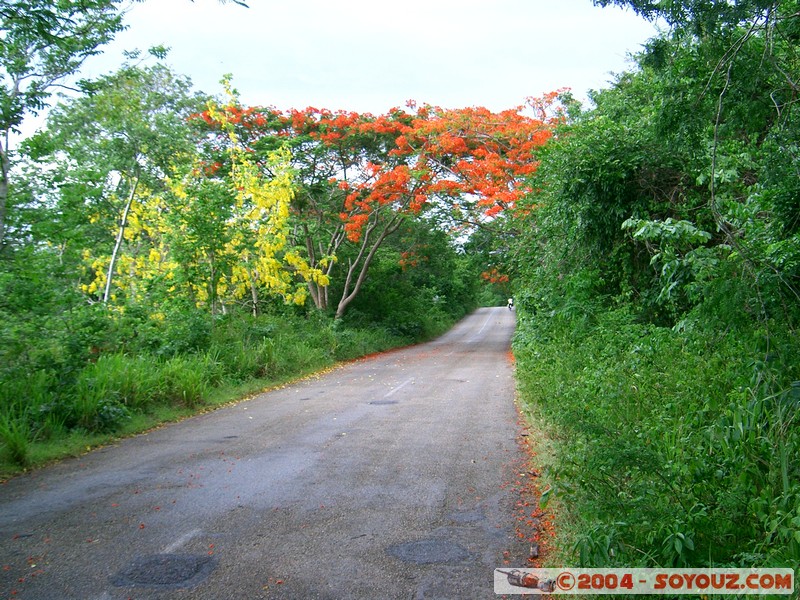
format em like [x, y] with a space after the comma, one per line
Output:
[510, 303]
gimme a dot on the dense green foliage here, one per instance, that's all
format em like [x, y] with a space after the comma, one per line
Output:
[674, 449]
[43, 42]
[68, 366]
[658, 282]
[88, 368]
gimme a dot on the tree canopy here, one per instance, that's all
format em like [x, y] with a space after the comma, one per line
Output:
[43, 42]
[360, 176]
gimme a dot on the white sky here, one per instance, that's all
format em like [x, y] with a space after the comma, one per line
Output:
[367, 55]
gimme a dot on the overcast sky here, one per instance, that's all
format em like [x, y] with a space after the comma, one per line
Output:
[368, 55]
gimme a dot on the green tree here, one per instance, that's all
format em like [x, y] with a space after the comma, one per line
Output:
[658, 279]
[699, 16]
[419, 283]
[702, 136]
[121, 137]
[44, 41]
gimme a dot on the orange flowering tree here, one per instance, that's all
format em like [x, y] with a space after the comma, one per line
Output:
[361, 176]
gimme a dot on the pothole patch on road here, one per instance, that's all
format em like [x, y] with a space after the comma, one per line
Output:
[165, 571]
[430, 551]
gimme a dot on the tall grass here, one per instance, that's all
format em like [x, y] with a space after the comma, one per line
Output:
[16, 435]
[676, 448]
[110, 387]
[26, 414]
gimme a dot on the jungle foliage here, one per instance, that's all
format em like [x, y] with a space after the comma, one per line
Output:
[658, 283]
[157, 243]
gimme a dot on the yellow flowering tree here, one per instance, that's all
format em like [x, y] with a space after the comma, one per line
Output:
[115, 144]
[183, 229]
[147, 262]
[234, 218]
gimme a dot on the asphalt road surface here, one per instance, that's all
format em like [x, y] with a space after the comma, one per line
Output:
[383, 478]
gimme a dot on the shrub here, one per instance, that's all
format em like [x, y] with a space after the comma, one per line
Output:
[675, 445]
[185, 380]
[15, 435]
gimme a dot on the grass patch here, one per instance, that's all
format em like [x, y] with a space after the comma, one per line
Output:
[118, 395]
[15, 435]
[670, 448]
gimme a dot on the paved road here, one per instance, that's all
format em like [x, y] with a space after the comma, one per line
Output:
[381, 479]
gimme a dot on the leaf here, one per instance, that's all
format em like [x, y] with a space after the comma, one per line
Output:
[544, 499]
[678, 544]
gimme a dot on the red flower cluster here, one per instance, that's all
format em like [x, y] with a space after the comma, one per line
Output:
[400, 161]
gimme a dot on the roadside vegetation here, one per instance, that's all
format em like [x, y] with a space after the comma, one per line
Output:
[164, 250]
[88, 375]
[657, 276]
[75, 373]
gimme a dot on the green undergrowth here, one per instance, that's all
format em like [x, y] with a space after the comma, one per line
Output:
[671, 447]
[57, 409]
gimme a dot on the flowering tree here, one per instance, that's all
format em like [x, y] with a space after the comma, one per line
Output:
[118, 140]
[361, 176]
[236, 221]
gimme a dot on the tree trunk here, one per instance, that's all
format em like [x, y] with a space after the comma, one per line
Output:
[314, 289]
[319, 293]
[120, 237]
[349, 295]
[253, 292]
[5, 167]
[212, 283]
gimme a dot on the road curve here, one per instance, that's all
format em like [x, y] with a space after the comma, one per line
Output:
[381, 479]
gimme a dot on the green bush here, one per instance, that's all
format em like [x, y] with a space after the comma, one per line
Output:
[15, 437]
[122, 364]
[240, 360]
[674, 445]
[97, 402]
[185, 380]
[354, 343]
